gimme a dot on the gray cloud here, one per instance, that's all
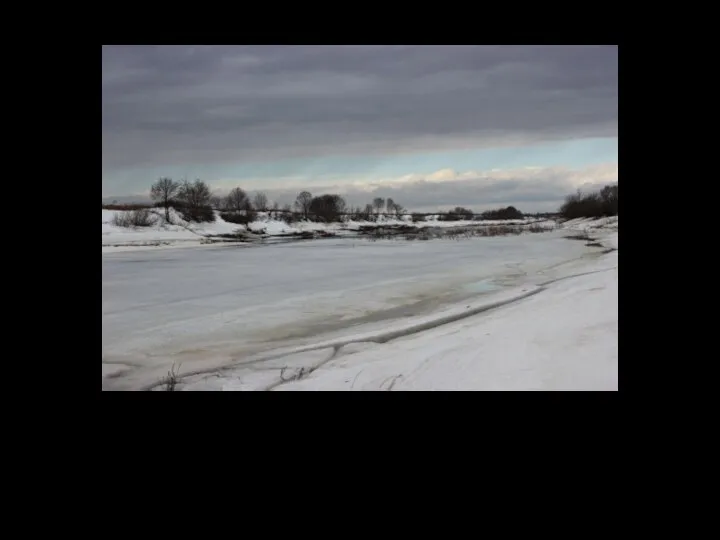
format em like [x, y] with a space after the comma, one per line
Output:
[170, 105]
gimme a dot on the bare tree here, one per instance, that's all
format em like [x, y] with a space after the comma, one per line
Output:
[236, 200]
[163, 191]
[368, 211]
[378, 204]
[275, 209]
[261, 201]
[218, 203]
[196, 197]
[394, 208]
[302, 203]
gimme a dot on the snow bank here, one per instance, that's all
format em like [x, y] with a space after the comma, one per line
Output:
[161, 233]
[591, 224]
[180, 232]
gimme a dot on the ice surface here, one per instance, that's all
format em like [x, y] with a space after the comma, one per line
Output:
[564, 338]
[208, 308]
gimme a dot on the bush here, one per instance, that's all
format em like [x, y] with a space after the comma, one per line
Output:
[289, 217]
[502, 213]
[125, 207]
[418, 217]
[197, 214]
[241, 218]
[134, 218]
[458, 214]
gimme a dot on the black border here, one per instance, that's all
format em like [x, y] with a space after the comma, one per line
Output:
[81, 330]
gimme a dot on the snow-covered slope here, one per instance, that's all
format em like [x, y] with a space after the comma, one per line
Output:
[160, 232]
[182, 233]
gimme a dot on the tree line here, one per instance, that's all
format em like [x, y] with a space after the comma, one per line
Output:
[594, 204]
[196, 202]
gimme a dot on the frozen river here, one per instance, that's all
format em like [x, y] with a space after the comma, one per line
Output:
[204, 307]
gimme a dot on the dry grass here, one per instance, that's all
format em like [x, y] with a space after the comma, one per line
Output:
[456, 233]
[243, 217]
[536, 228]
[296, 374]
[141, 217]
[171, 380]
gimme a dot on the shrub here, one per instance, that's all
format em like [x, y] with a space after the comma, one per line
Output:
[418, 217]
[241, 218]
[502, 213]
[457, 214]
[134, 218]
[198, 214]
[289, 217]
[122, 219]
[125, 207]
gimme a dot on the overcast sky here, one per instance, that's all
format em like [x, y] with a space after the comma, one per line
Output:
[433, 126]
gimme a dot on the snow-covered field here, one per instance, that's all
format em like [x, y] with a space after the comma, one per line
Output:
[351, 314]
